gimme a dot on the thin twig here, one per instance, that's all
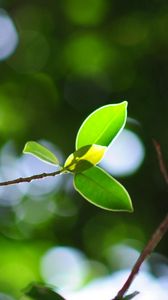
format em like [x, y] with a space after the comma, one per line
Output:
[162, 165]
[30, 178]
[153, 242]
[156, 237]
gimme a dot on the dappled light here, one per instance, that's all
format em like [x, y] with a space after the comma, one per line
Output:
[9, 37]
[67, 269]
[125, 155]
[64, 267]
[19, 264]
[88, 12]
[122, 256]
[86, 54]
[30, 165]
[106, 288]
[29, 211]
[78, 77]
[26, 166]
[5, 297]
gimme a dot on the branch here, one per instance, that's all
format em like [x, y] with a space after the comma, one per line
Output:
[162, 165]
[156, 237]
[153, 242]
[30, 178]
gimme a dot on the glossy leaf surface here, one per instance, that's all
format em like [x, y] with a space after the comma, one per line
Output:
[40, 152]
[101, 189]
[84, 158]
[103, 125]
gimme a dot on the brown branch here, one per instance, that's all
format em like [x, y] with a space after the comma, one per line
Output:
[156, 237]
[162, 165]
[30, 178]
[153, 242]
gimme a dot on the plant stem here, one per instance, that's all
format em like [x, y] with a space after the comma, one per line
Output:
[153, 242]
[30, 178]
[162, 165]
[156, 237]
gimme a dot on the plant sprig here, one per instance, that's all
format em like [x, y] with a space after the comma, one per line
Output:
[97, 131]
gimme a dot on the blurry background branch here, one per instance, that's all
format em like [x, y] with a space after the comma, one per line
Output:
[151, 245]
[155, 239]
[163, 168]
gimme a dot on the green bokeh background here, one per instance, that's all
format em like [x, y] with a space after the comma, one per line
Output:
[74, 56]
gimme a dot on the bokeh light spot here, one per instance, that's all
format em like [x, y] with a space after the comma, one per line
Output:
[107, 287]
[64, 267]
[86, 54]
[9, 195]
[35, 212]
[88, 12]
[31, 165]
[9, 112]
[125, 155]
[5, 297]
[8, 36]
[19, 264]
[122, 256]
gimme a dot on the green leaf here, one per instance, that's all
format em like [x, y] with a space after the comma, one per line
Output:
[102, 126]
[41, 292]
[40, 152]
[102, 190]
[84, 158]
[130, 296]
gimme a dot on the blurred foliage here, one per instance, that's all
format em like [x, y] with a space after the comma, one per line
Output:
[72, 57]
[39, 292]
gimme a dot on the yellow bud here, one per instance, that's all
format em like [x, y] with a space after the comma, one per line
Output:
[84, 158]
[95, 154]
[70, 163]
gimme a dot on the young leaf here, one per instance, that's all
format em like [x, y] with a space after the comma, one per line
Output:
[130, 296]
[40, 152]
[103, 125]
[84, 158]
[101, 189]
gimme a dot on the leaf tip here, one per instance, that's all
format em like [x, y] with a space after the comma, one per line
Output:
[124, 104]
[130, 208]
[26, 146]
[40, 152]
